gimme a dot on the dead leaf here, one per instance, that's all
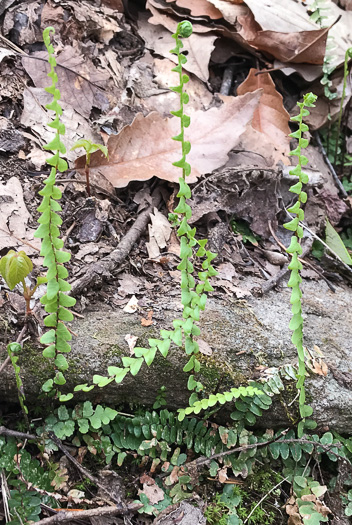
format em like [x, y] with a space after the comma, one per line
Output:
[199, 8]
[128, 284]
[270, 117]
[318, 366]
[51, 15]
[149, 320]
[131, 340]
[198, 48]
[199, 96]
[303, 43]
[132, 305]
[36, 118]
[153, 492]
[204, 347]
[272, 15]
[174, 474]
[305, 46]
[5, 53]
[145, 148]
[226, 271]
[79, 92]
[116, 5]
[159, 233]
[14, 217]
[222, 473]
[145, 479]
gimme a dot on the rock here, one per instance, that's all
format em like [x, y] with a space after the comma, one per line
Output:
[243, 336]
[183, 514]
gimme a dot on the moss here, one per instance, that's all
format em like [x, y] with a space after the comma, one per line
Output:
[114, 351]
[38, 366]
[214, 371]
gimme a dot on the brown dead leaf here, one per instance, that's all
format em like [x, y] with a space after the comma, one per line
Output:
[199, 96]
[306, 46]
[174, 474]
[318, 366]
[35, 118]
[270, 117]
[198, 48]
[51, 15]
[322, 509]
[116, 5]
[153, 492]
[226, 271]
[14, 217]
[222, 473]
[146, 480]
[294, 519]
[199, 8]
[204, 347]
[82, 451]
[149, 320]
[272, 15]
[80, 92]
[145, 148]
[161, 15]
[159, 233]
[303, 43]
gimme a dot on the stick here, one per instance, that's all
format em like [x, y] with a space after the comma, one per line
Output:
[13, 433]
[80, 467]
[63, 516]
[326, 448]
[95, 273]
[227, 80]
[263, 498]
[330, 166]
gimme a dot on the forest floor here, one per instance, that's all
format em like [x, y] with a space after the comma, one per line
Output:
[248, 64]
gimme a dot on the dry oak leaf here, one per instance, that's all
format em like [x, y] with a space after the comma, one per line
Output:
[198, 48]
[288, 17]
[145, 149]
[303, 46]
[270, 117]
[198, 8]
[305, 43]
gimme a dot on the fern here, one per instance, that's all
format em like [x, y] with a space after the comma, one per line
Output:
[295, 249]
[55, 300]
[193, 295]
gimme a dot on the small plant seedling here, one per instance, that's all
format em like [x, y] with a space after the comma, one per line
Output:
[14, 268]
[89, 147]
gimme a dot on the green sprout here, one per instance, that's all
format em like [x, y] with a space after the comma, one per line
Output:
[89, 147]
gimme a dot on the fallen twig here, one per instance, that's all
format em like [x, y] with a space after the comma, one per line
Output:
[227, 80]
[326, 448]
[14, 433]
[64, 516]
[82, 469]
[96, 272]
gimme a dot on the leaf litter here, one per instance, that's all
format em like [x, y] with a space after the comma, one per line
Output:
[114, 86]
